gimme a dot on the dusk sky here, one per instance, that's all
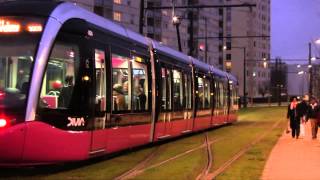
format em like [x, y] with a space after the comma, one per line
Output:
[294, 23]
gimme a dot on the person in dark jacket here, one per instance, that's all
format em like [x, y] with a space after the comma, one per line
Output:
[313, 112]
[302, 108]
[66, 93]
[292, 116]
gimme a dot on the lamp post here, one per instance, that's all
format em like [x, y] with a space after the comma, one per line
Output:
[310, 70]
[176, 22]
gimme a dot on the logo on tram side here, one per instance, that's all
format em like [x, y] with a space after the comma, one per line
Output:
[76, 122]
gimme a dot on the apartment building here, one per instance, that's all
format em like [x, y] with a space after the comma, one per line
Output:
[194, 39]
[246, 22]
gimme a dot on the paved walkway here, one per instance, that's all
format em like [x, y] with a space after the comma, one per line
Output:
[294, 159]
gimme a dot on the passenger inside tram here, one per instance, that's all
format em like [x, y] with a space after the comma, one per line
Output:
[141, 98]
[66, 92]
[118, 98]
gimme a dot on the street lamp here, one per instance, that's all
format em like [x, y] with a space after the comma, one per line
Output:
[204, 47]
[300, 72]
[176, 22]
[310, 70]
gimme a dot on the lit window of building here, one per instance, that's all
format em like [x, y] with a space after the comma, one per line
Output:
[117, 16]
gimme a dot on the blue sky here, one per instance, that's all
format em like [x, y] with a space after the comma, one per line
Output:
[294, 23]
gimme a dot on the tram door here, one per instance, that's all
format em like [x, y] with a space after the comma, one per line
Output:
[175, 115]
[164, 119]
[188, 110]
[98, 141]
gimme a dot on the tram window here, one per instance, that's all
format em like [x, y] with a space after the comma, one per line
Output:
[139, 84]
[58, 81]
[222, 95]
[201, 97]
[16, 59]
[207, 94]
[204, 93]
[225, 95]
[100, 80]
[166, 89]
[217, 97]
[177, 90]
[188, 90]
[121, 95]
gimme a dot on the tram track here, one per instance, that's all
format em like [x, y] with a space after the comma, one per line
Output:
[136, 169]
[207, 168]
[143, 165]
[140, 170]
[240, 153]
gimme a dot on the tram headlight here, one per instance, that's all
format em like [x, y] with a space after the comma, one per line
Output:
[3, 123]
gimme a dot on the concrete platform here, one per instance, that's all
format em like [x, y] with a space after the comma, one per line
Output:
[294, 159]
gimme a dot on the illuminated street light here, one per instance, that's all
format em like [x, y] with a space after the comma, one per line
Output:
[298, 66]
[309, 66]
[175, 20]
[300, 72]
[317, 41]
[201, 47]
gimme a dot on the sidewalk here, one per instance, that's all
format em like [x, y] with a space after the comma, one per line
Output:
[294, 159]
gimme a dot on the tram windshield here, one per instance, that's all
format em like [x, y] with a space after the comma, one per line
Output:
[17, 50]
[16, 58]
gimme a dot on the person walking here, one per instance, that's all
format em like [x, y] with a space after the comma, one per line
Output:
[302, 110]
[313, 112]
[292, 116]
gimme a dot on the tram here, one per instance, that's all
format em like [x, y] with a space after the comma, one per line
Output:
[74, 85]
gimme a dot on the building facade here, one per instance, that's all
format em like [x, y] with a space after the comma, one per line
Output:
[251, 24]
[194, 35]
[279, 74]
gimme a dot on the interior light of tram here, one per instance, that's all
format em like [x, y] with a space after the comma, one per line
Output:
[8, 26]
[71, 54]
[138, 59]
